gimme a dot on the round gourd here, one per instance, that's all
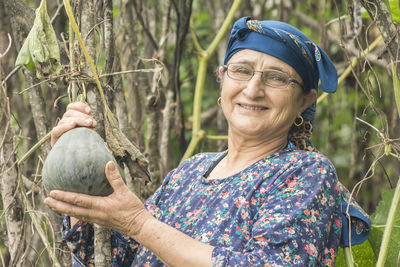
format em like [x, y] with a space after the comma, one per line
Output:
[77, 163]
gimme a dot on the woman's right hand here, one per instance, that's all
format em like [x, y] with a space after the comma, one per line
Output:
[77, 114]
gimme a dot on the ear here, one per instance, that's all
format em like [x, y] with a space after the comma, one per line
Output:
[308, 99]
[220, 72]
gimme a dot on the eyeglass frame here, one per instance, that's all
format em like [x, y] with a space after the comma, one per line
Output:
[290, 80]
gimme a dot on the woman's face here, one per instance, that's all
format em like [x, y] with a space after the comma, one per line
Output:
[258, 110]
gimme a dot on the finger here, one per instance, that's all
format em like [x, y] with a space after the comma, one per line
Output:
[76, 199]
[67, 124]
[76, 113]
[66, 208]
[114, 177]
[84, 121]
[80, 106]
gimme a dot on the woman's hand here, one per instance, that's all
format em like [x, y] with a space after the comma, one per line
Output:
[77, 114]
[122, 210]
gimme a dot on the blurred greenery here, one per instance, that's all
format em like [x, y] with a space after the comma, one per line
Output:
[363, 256]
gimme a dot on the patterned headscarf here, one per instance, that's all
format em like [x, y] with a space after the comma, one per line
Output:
[293, 47]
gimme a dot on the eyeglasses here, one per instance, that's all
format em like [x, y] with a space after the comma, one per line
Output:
[273, 78]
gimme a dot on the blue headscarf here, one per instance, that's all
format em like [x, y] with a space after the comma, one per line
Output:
[293, 47]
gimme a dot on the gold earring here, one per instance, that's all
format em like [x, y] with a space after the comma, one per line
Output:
[219, 101]
[298, 123]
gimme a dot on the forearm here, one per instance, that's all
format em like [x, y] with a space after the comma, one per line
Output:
[173, 247]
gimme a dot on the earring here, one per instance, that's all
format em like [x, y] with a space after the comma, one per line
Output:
[219, 101]
[296, 123]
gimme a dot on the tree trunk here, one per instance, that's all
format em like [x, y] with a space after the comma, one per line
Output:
[11, 198]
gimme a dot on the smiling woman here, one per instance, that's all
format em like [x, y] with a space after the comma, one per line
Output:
[270, 199]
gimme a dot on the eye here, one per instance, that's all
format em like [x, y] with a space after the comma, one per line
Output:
[242, 70]
[274, 78]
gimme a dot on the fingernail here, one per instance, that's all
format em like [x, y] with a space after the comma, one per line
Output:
[88, 121]
[87, 110]
[111, 167]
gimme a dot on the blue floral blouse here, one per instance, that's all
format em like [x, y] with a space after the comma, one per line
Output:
[283, 210]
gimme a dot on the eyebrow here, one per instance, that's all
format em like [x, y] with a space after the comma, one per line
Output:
[243, 61]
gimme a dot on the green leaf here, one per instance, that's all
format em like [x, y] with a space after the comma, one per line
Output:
[378, 220]
[40, 50]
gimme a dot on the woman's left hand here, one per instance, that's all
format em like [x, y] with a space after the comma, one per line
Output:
[121, 211]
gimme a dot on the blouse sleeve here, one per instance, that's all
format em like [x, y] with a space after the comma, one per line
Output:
[298, 223]
[80, 241]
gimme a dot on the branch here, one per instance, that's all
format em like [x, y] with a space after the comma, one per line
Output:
[379, 13]
[145, 28]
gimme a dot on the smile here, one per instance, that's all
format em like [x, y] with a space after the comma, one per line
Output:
[252, 107]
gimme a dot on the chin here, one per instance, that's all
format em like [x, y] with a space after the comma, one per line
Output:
[250, 129]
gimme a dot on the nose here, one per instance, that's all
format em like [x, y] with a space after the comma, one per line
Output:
[254, 88]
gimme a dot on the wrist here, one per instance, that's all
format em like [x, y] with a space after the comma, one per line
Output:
[137, 228]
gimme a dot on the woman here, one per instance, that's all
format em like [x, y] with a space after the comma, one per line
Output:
[270, 200]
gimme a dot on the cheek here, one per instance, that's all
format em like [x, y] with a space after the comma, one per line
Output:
[229, 89]
[287, 104]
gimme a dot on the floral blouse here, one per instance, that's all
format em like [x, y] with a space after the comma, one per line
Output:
[283, 210]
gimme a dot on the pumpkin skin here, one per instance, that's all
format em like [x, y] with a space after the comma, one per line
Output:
[76, 163]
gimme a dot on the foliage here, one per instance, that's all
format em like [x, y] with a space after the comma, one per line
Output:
[363, 255]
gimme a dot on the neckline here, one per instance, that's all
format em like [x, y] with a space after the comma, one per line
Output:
[215, 160]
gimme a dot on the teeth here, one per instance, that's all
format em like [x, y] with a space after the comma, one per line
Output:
[252, 107]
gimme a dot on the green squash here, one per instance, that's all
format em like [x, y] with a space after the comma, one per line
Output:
[77, 163]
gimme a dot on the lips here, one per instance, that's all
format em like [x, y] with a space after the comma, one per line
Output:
[252, 107]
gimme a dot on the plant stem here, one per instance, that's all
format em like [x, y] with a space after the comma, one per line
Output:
[389, 227]
[396, 86]
[33, 149]
[72, 21]
[193, 144]
[224, 28]
[217, 137]
[204, 56]
[348, 257]
[198, 94]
